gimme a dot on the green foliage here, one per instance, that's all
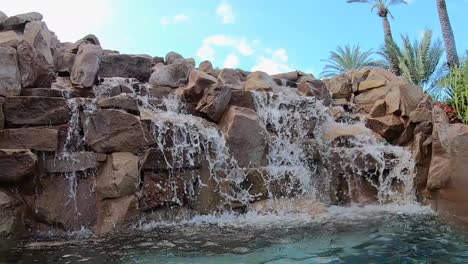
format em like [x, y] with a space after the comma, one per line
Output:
[417, 60]
[457, 84]
[346, 59]
[380, 5]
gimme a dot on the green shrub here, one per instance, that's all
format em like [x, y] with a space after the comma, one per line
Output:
[457, 83]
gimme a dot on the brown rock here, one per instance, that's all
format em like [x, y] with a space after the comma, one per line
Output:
[231, 78]
[35, 111]
[426, 102]
[16, 164]
[2, 115]
[214, 102]
[371, 84]
[86, 65]
[109, 130]
[11, 215]
[369, 97]
[40, 139]
[379, 108]
[243, 131]
[9, 39]
[172, 75]
[10, 79]
[242, 98]
[340, 87]
[197, 84]
[420, 115]
[173, 57]
[121, 101]
[43, 92]
[162, 189]
[128, 66]
[315, 88]
[259, 81]
[113, 214]
[27, 61]
[390, 126]
[290, 76]
[155, 159]
[119, 177]
[206, 66]
[403, 99]
[75, 161]
[357, 77]
[59, 207]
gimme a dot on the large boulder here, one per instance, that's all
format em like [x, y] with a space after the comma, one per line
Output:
[27, 61]
[18, 21]
[162, 189]
[86, 65]
[10, 79]
[38, 35]
[245, 136]
[16, 164]
[128, 66]
[214, 102]
[40, 139]
[231, 78]
[119, 176]
[9, 39]
[57, 206]
[11, 216]
[390, 127]
[114, 214]
[172, 75]
[174, 57]
[242, 98]
[122, 101]
[260, 81]
[316, 88]
[403, 99]
[75, 161]
[35, 111]
[340, 87]
[110, 130]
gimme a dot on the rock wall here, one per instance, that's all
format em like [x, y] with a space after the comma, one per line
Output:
[93, 138]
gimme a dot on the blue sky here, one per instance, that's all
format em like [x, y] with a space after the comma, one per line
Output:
[264, 35]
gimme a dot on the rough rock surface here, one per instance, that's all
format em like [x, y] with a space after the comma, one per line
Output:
[40, 139]
[172, 75]
[214, 102]
[86, 65]
[35, 111]
[114, 213]
[16, 164]
[18, 21]
[10, 79]
[128, 66]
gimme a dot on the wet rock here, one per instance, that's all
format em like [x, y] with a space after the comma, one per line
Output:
[60, 207]
[242, 98]
[11, 215]
[214, 102]
[231, 78]
[16, 164]
[340, 87]
[109, 130]
[109, 87]
[243, 131]
[172, 75]
[75, 161]
[113, 214]
[18, 21]
[43, 92]
[121, 101]
[346, 135]
[40, 139]
[155, 159]
[256, 182]
[197, 84]
[128, 66]
[162, 189]
[285, 206]
[119, 176]
[390, 126]
[173, 57]
[9, 39]
[259, 81]
[35, 111]
[86, 65]
[207, 199]
[10, 79]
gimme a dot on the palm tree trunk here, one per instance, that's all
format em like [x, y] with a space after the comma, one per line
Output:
[389, 38]
[447, 33]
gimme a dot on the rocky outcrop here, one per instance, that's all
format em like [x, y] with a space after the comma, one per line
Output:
[86, 65]
[10, 79]
[16, 164]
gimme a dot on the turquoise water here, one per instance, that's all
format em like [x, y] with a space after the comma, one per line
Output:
[349, 236]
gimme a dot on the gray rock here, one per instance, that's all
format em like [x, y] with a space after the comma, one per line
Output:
[9, 39]
[173, 75]
[18, 21]
[174, 57]
[86, 65]
[10, 79]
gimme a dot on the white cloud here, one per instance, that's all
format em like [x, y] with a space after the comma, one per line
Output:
[226, 13]
[179, 18]
[69, 20]
[276, 63]
[240, 45]
[231, 61]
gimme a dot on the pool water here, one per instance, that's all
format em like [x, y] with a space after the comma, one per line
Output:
[345, 235]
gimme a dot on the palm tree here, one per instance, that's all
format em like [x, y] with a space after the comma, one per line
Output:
[346, 59]
[447, 33]
[417, 60]
[382, 11]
